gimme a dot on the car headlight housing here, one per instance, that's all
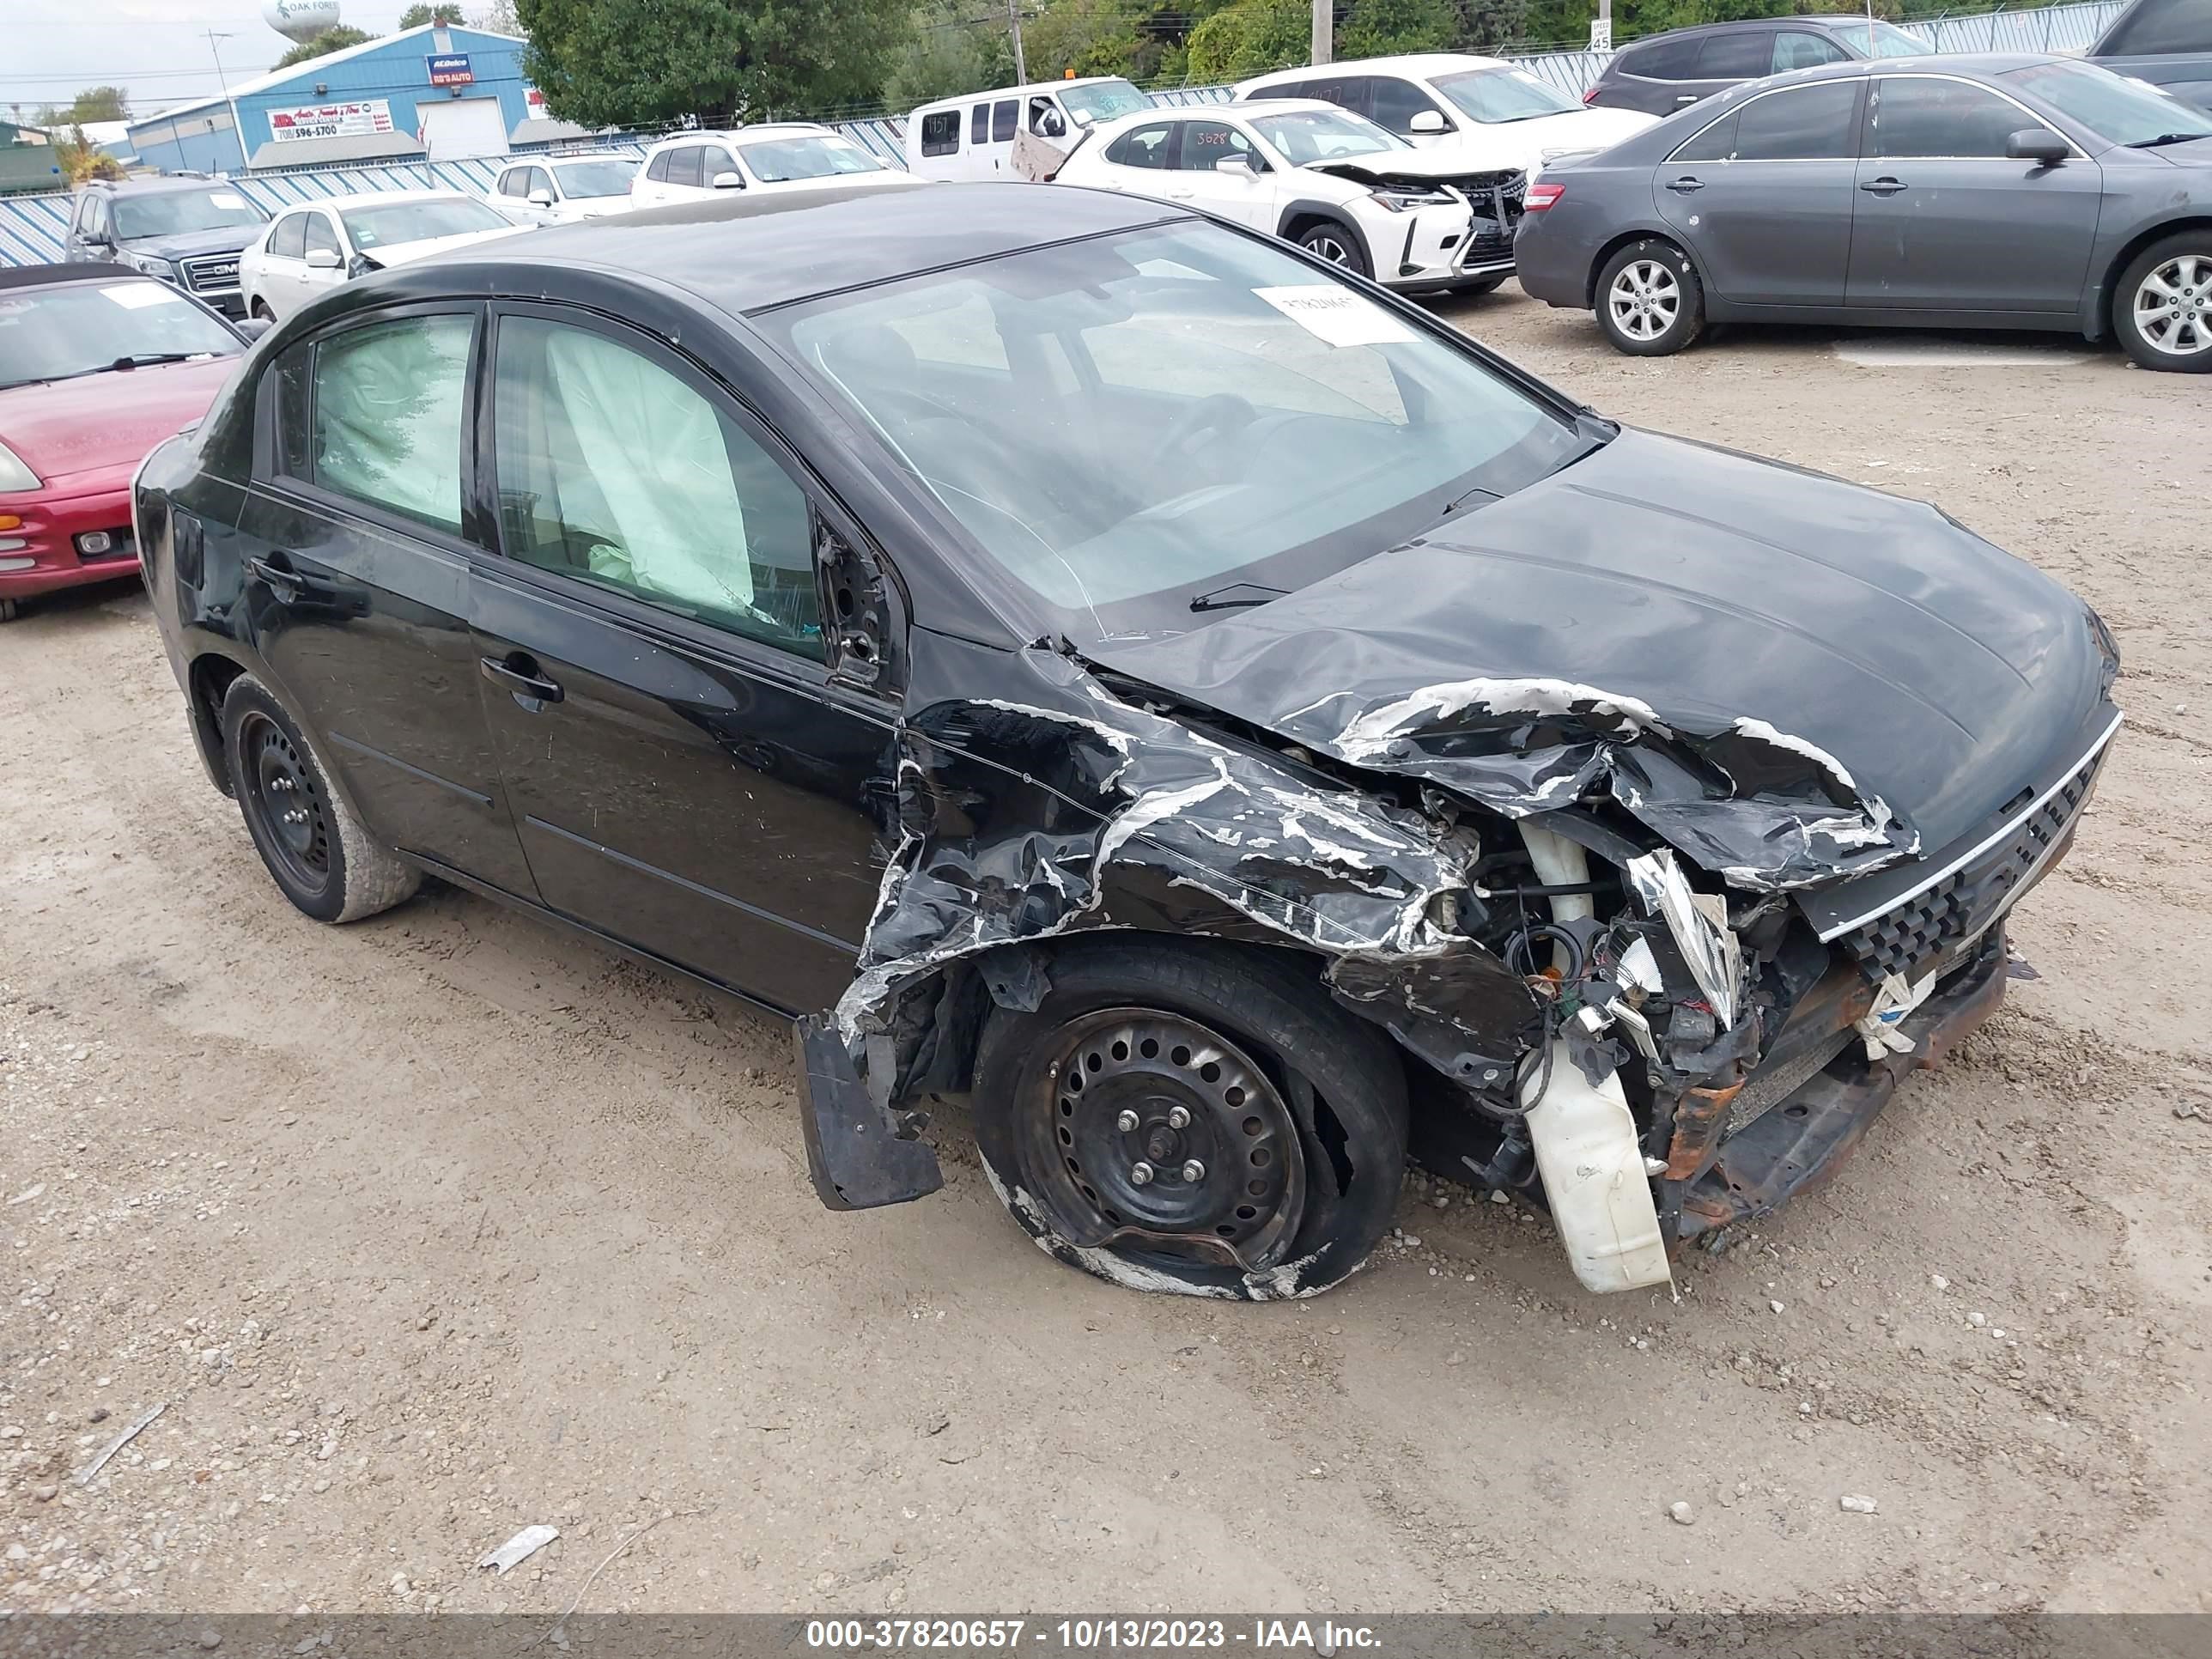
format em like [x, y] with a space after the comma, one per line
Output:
[14, 475]
[151, 265]
[1403, 200]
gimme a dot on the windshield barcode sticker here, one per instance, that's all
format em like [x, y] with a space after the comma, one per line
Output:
[138, 295]
[1336, 314]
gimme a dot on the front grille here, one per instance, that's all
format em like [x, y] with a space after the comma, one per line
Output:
[1931, 924]
[211, 273]
[1498, 199]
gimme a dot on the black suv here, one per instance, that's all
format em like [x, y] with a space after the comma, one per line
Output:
[1668, 71]
[184, 231]
[2167, 43]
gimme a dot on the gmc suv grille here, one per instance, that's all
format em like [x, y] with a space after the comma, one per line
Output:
[213, 273]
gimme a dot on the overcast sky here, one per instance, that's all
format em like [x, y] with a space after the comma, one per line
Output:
[158, 49]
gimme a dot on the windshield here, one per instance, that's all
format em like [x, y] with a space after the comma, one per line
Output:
[388, 224]
[1888, 40]
[172, 212]
[1122, 422]
[1318, 135]
[585, 179]
[1103, 100]
[814, 156]
[1503, 95]
[51, 333]
[2114, 106]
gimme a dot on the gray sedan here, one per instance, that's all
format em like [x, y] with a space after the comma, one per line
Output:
[2027, 193]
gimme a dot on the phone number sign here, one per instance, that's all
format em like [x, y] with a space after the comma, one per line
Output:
[340, 121]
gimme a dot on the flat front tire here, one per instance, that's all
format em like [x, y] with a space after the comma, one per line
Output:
[1193, 1117]
[315, 850]
[1650, 302]
[2163, 309]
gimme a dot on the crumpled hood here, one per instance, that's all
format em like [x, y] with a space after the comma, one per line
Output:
[1789, 677]
[102, 421]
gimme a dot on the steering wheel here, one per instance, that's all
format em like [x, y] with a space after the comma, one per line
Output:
[1223, 412]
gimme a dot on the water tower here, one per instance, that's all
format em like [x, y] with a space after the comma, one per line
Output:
[300, 20]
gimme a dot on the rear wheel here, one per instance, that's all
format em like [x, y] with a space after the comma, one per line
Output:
[1335, 243]
[2163, 309]
[261, 310]
[314, 848]
[1650, 302]
[8, 611]
[1195, 1119]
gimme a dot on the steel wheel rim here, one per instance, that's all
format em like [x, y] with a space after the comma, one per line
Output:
[1329, 249]
[289, 808]
[1242, 1207]
[1644, 300]
[2173, 306]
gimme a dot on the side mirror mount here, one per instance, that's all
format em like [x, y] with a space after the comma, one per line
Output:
[322, 259]
[1427, 121]
[2038, 144]
[541, 198]
[728, 181]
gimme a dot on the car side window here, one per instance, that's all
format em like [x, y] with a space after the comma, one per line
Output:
[1393, 103]
[1715, 143]
[510, 182]
[2157, 27]
[387, 416]
[940, 132]
[979, 125]
[615, 469]
[1734, 55]
[684, 166]
[1797, 49]
[1927, 117]
[289, 239]
[1146, 147]
[656, 168]
[1661, 60]
[1805, 124]
[1002, 120]
[1204, 143]
[320, 234]
[1045, 119]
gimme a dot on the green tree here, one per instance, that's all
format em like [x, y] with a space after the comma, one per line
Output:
[79, 160]
[445, 15]
[1377, 29]
[92, 103]
[1248, 38]
[330, 40]
[617, 63]
[946, 52]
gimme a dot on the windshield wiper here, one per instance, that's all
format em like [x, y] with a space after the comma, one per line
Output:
[2167, 138]
[1244, 593]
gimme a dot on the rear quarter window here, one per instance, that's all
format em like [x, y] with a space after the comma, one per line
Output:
[1660, 60]
[940, 132]
[2158, 27]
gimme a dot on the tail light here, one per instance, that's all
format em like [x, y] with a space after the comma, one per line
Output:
[1542, 196]
[1590, 97]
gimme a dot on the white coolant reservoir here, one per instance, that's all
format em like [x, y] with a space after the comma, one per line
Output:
[1594, 1176]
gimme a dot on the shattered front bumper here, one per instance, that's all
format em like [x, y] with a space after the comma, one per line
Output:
[1800, 1141]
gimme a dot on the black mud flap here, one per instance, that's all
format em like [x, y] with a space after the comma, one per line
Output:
[854, 1151]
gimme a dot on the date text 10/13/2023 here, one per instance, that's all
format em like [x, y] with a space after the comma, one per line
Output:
[1325, 1637]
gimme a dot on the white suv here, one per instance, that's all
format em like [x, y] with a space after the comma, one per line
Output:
[559, 190]
[1490, 113]
[694, 167]
[1332, 182]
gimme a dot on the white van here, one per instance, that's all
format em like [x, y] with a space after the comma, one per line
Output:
[973, 137]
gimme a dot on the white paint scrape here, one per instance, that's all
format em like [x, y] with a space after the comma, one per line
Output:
[1368, 733]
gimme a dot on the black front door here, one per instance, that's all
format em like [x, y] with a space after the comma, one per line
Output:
[355, 582]
[685, 778]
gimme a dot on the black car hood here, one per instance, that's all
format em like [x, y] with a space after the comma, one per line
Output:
[1790, 678]
[183, 244]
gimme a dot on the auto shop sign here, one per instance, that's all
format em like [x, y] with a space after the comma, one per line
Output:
[338, 120]
[450, 69]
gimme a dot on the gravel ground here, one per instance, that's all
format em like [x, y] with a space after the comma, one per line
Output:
[428, 1229]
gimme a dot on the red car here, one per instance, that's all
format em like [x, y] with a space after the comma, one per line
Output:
[97, 364]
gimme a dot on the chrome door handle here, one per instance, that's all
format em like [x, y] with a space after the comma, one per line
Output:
[1884, 185]
[1685, 183]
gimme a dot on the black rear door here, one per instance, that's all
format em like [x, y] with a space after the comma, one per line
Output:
[357, 551]
[686, 777]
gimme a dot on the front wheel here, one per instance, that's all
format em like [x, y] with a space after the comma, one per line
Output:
[2162, 311]
[1336, 244]
[1195, 1118]
[1650, 302]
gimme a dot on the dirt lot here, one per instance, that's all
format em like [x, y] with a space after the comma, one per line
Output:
[437, 1226]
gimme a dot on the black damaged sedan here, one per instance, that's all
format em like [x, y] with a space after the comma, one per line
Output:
[1098, 663]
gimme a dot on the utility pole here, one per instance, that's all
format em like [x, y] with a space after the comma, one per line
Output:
[1014, 26]
[1324, 31]
[221, 80]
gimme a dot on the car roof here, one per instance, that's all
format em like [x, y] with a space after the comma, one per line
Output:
[1278, 106]
[155, 186]
[733, 135]
[77, 270]
[798, 244]
[378, 197]
[1028, 86]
